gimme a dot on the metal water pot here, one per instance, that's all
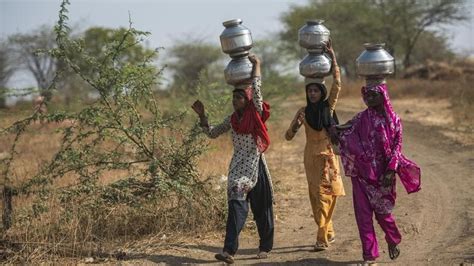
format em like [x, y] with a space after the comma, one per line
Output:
[236, 40]
[315, 65]
[313, 35]
[238, 70]
[375, 61]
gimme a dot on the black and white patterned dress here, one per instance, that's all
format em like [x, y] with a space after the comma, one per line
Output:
[243, 169]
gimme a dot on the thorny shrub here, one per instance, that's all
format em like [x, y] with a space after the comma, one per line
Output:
[124, 132]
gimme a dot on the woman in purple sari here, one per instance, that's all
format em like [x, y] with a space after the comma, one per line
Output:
[370, 147]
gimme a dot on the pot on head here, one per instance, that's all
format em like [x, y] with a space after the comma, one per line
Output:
[375, 61]
[313, 35]
[238, 70]
[315, 65]
[236, 40]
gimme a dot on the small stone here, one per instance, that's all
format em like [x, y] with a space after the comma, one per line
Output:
[4, 155]
[223, 178]
[120, 255]
[89, 260]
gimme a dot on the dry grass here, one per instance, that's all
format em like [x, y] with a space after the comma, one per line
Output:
[460, 93]
[80, 229]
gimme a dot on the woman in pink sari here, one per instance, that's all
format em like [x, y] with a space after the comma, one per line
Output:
[370, 147]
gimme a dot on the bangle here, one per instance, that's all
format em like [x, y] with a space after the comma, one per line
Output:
[293, 130]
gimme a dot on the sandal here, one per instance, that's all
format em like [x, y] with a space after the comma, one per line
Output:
[262, 255]
[225, 257]
[393, 251]
[370, 262]
[320, 246]
[331, 239]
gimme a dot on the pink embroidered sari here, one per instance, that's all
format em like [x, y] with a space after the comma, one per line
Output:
[371, 147]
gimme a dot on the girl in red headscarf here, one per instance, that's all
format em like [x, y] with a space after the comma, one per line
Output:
[249, 179]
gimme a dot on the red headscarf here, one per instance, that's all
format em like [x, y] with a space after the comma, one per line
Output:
[252, 122]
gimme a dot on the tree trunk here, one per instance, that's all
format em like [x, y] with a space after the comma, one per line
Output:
[391, 51]
[7, 207]
[3, 103]
[406, 60]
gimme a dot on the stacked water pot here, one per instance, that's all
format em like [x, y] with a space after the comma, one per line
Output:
[375, 64]
[236, 40]
[313, 37]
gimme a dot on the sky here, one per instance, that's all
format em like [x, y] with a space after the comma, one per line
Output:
[171, 20]
[167, 20]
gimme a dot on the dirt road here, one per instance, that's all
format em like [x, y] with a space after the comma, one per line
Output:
[436, 223]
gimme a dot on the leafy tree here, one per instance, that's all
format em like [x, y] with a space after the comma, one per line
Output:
[6, 71]
[405, 21]
[30, 50]
[273, 61]
[189, 60]
[98, 40]
[278, 74]
[431, 46]
[96, 43]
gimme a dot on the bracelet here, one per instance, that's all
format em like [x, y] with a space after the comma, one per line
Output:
[294, 131]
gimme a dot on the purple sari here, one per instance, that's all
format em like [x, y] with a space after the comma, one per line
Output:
[371, 147]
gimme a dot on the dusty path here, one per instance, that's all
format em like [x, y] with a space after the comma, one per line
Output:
[436, 223]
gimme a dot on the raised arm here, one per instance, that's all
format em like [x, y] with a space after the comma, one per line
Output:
[211, 131]
[217, 130]
[256, 83]
[295, 124]
[336, 74]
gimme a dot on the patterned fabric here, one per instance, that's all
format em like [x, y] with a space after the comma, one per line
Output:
[243, 169]
[371, 147]
[363, 214]
[321, 164]
[253, 121]
[260, 201]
